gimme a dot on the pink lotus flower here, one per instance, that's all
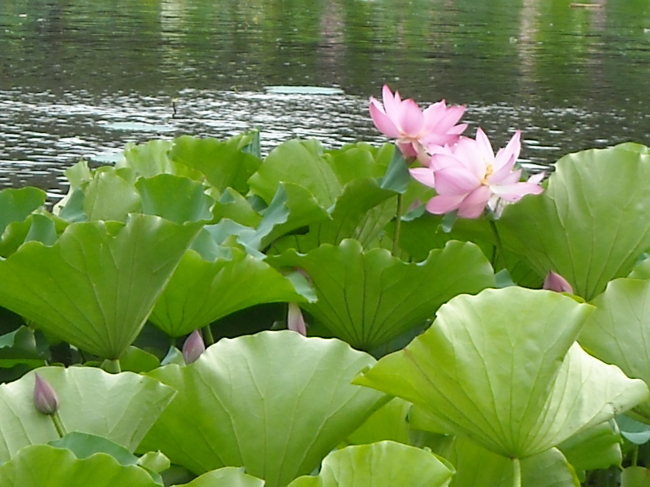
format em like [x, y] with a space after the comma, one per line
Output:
[193, 347]
[416, 130]
[45, 399]
[469, 177]
[555, 282]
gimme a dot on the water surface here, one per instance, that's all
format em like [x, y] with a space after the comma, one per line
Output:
[80, 78]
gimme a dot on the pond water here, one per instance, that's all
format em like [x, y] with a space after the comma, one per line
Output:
[81, 78]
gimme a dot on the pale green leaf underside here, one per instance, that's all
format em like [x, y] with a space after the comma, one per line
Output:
[119, 407]
[502, 369]
[382, 464]
[46, 466]
[275, 403]
[225, 477]
[618, 332]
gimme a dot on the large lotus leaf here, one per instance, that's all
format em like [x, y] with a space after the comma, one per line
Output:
[361, 213]
[17, 204]
[152, 158]
[225, 477]
[108, 196]
[360, 161]
[597, 447]
[502, 368]
[120, 407]
[236, 207]
[275, 403]
[47, 466]
[383, 464]
[96, 286]
[301, 163]
[591, 224]
[619, 331]
[478, 467]
[369, 298]
[389, 422]
[224, 163]
[202, 291]
[189, 202]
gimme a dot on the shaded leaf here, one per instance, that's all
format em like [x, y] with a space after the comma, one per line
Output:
[369, 298]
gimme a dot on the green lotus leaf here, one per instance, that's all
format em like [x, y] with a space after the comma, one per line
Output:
[301, 163]
[20, 347]
[120, 407]
[275, 403]
[635, 477]
[225, 477]
[369, 298]
[389, 422]
[597, 447]
[547, 469]
[619, 331]
[108, 196]
[17, 204]
[189, 202]
[224, 163]
[361, 212]
[633, 430]
[591, 224]
[96, 286]
[359, 161]
[503, 369]
[236, 207]
[383, 464]
[202, 291]
[47, 466]
[153, 158]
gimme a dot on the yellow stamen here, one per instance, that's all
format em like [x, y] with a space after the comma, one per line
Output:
[488, 172]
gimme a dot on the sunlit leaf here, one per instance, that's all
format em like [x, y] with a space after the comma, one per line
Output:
[225, 477]
[368, 298]
[383, 464]
[592, 222]
[119, 407]
[47, 466]
[275, 403]
[619, 331]
[502, 369]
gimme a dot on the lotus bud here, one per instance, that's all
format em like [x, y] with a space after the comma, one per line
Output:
[193, 347]
[557, 283]
[45, 398]
[295, 321]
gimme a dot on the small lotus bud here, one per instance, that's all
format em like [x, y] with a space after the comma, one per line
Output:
[45, 398]
[557, 283]
[295, 321]
[193, 347]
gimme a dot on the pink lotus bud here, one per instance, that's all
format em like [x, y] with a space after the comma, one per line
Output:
[45, 398]
[193, 347]
[295, 321]
[557, 283]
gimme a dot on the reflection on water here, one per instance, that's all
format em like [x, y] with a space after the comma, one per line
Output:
[71, 71]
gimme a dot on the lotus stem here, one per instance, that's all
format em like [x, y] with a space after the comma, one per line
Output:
[498, 247]
[112, 366]
[516, 481]
[58, 424]
[398, 225]
[208, 338]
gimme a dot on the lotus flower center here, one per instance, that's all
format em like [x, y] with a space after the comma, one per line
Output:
[488, 172]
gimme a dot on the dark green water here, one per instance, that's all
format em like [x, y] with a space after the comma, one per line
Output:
[71, 71]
